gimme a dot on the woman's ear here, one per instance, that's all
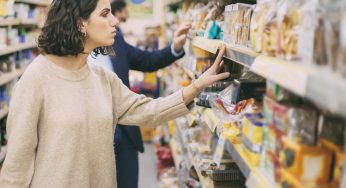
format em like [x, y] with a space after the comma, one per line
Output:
[84, 26]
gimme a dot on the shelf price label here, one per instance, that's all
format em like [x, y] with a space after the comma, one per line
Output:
[219, 149]
[290, 75]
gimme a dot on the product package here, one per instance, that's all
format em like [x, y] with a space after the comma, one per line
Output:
[288, 18]
[269, 31]
[252, 137]
[237, 23]
[309, 164]
[341, 62]
[257, 23]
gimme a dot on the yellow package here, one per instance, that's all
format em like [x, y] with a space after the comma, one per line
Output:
[309, 164]
[232, 132]
[339, 158]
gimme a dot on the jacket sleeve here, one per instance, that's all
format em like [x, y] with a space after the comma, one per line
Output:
[22, 123]
[130, 108]
[145, 61]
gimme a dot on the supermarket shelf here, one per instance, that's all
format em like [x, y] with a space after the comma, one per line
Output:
[174, 147]
[35, 2]
[204, 181]
[3, 113]
[8, 22]
[15, 48]
[259, 178]
[7, 77]
[238, 155]
[241, 55]
[29, 22]
[15, 22]
[209, 45]
[318, 84]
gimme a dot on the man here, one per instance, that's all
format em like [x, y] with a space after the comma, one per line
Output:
[128, 140]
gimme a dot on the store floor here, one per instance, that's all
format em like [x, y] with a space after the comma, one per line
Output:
[147, 167]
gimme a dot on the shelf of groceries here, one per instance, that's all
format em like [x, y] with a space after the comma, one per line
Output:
[301, 78]
[279, 120]
[35, 2]
[16, 22]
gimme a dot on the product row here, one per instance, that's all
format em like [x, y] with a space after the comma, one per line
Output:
[299, 30]
[10, 10]
[18, 60]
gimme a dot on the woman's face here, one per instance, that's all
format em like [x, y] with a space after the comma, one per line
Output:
[100, 27]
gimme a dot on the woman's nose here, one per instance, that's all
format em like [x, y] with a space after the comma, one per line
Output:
[114, 21]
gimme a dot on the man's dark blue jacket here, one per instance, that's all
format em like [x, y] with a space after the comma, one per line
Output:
[129, 57]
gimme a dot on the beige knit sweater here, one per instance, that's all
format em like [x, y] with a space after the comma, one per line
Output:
[61, 125]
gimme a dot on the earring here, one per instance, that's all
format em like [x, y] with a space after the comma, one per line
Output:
[84, 34]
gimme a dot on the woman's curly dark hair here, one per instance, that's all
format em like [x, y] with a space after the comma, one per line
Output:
[61, 34]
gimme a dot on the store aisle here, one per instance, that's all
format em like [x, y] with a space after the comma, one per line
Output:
[147, 167]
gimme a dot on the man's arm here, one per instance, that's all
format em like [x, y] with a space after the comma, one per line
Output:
[145, 61]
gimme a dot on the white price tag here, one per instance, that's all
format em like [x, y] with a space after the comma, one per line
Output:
[219, 150]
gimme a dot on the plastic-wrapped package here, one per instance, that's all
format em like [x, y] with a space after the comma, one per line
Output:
[269, 31]
[297, 123]
[311, 43]
[241, 23]
[333, 129]
[214, 11]
[341, 66]
[331, 17]
[237, 23]
[257, 23]
[228, 24]
[278, 93]
[288, 18]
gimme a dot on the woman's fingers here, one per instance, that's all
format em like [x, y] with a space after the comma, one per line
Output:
[219, 67]
[221, 54]
[218, 77]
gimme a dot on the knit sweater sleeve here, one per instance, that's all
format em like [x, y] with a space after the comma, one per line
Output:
[22, 123]
[133, 109]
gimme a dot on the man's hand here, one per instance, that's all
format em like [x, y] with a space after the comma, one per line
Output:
[180, 36]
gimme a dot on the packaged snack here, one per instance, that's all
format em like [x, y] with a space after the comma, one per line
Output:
[288, 18]
[341, 66]
[268, 110]
[309, 164]
[252, 136]
[288, 180]
[244, 89]
[269, 31]
[257, 23]
[253, 132]
[311, 44]
[214, 11]
[331, 21]
[241, 23]
[333, 129]
[276, 92]
[233, 132]
[338, 160]
[228, 24]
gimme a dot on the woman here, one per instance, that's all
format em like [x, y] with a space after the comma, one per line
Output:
[63, 110]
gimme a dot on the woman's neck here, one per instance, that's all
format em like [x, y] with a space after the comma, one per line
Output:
[69, 62]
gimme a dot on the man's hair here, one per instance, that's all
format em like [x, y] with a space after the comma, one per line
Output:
[117, 6]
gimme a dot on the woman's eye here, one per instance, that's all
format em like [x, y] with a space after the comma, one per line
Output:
[104, 14]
